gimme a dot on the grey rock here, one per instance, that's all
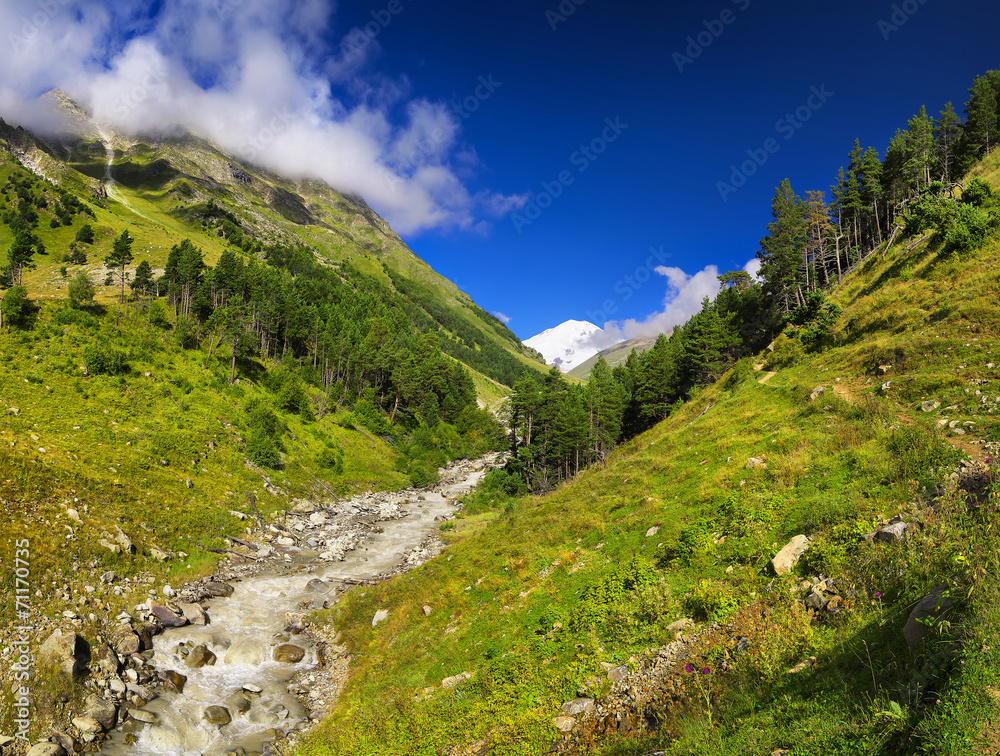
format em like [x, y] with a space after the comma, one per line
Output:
[238, 702]
[68, 742]
[86, 724]
[618, 674]
[193, 613]
[46, 749]
[427, 610]
[168, 617]
[380, 616]
[141, 715]
[288, 653]
[251, 688]
[455, 680]
[564, 724]
[817, 393]
[755, 463]
[117, 686]
[789, 556]
[173, 679]
[126, 642]
[66, 651]
[816, 600]
[104, 657]
[652, 531]
[158, 554]
[104, 712]
[681, 624]
[219, 590]
[124, 541]
[200, 656]
[930, 406]
[892, 533]
[217, 715]
[578, 707]
[932, 606]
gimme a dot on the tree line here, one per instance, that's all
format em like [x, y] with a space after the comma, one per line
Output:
[556, 429]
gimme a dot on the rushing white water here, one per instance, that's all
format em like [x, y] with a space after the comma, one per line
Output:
[243, 632]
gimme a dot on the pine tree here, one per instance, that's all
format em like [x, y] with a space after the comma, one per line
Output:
[947, 138]
[781, 251]
[142, 282]
[872, 194]
[981, 117]
[19, 256]
[119, 257]
[920, 149]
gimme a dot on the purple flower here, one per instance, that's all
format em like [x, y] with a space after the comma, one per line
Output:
[988, 460]
[878, 595]
[688, 668]
[705, 671]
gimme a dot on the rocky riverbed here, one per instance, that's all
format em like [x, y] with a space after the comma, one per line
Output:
[230, 663]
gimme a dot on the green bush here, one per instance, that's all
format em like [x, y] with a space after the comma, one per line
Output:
[262, 449]
[968, 229]
[713, 600]
[331, 459]
[105, 359]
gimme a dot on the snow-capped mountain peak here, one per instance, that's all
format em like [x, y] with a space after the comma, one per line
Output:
[571, 343]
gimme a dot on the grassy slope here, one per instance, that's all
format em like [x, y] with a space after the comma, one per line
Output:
[615, 355]
[836, 468]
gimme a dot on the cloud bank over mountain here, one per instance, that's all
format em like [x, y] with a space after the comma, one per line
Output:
[275, 83]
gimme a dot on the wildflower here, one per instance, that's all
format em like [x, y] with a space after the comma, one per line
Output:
[688, 668]
[878, 595]
[705, 671]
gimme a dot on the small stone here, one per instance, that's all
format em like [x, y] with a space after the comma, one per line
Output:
[918, 624]
[193, 613]
[755, 463]
[427, 610]
[817, 393]
[219, 590]
[380, 616]
[101, 711]
[168, 617]
[681, 624]
[251, 688]
[930, 406]
[46, 749]
[456, 680]
[652, 531]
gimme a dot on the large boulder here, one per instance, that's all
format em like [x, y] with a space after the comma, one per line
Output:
[46, 749]
[288, 653]
[126, 642]
[104, 657]
[105, 713]
[194, 613]
[578, 707]
[200, 656]
[217, 715]
[67, 652]
[219, 590]
[932, 606]
[173, 679]
[790, 555]
[166, 615]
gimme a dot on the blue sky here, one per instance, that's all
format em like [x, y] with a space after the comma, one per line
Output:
[548, 157]
[656, 185]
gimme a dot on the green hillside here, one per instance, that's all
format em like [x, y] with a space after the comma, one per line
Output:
[655, 571]
[614, 356]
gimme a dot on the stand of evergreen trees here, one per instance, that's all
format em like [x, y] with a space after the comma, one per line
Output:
[556, 429]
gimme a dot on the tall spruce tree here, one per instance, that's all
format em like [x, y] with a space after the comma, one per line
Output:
[782, 250]
[119, 257]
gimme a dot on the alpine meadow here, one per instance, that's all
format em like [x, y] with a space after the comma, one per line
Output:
[272, 484]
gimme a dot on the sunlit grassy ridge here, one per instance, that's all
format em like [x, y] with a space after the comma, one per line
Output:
[534, 594]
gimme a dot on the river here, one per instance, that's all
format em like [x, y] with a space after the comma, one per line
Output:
[245, 629]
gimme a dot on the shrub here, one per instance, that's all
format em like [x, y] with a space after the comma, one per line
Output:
[16, 307]
[85, 234]
[81, 290]
[713, 600]
[331, 459]
[262, 449]
[104, 359]
[967, 229]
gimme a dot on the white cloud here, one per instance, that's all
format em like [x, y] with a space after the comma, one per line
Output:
[683, 299]
[256, 77]
[501, 316]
